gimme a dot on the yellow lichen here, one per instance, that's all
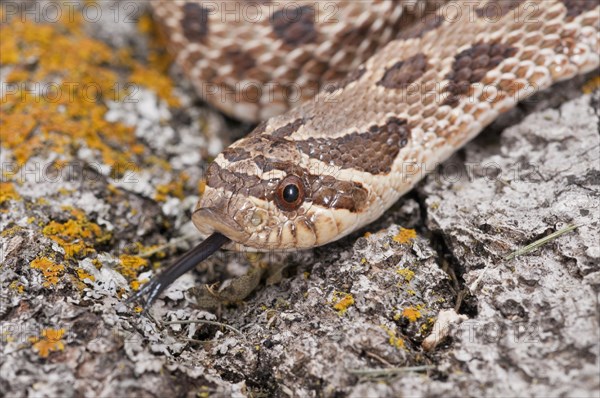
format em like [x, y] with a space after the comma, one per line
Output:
[51, 341]
[130, 265]
[18, 286]
[342, 301]
[11, 231]
[121, 292]
[426, 326]
[51, 270]
[406, 273]
[405, 235]
[5, 336]
[7, 192]
[206, 393]
[393, 338]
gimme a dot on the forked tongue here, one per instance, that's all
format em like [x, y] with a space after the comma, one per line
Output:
[150, 292]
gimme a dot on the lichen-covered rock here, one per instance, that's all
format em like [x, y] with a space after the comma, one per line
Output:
[537, 314]
[96, 195]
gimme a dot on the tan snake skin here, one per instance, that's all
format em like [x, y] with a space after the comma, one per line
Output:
[359, 145]
[257, 59]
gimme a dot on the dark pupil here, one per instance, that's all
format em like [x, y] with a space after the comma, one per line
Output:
[290, 193]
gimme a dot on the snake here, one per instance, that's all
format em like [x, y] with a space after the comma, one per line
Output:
[400, 86]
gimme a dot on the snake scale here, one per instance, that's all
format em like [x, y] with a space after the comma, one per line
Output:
[412, 94]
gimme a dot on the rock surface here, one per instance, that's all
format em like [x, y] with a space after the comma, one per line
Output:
[345, 320]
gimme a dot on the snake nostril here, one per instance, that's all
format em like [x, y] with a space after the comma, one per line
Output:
[256, 219]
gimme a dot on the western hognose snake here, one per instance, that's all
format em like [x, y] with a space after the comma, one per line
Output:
[408, 100]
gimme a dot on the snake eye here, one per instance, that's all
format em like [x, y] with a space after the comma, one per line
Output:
[290, 193]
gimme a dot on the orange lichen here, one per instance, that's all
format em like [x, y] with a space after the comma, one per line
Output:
[157, 251]
[342, 301]
[51, 270]
[201, 186]
[130, 265]
[591, 85]
[411, 313]
[59, 83]
[61, 113]
[83, 275]
[7, 192]
[158, 57]
[174, 188]
[76, 236]
[161, 84]
[405, 235]
[51, 341]
[135, 285]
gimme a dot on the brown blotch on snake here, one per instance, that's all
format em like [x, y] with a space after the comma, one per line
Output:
[373, 151]
[241, 61]
[193, 58]
[259, 129]
[236, 154]
[471, 65]
[428, 23]
[330, 192]
[496, 9]
[403, 73]
[295, 26]
[288, 129]
[352, 76]
[240, 183]
[195, 22]
[577, 7]
[320, 189]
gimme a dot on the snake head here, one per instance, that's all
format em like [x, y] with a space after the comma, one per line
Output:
[264, 194]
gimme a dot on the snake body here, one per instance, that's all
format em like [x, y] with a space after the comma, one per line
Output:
[335, 163]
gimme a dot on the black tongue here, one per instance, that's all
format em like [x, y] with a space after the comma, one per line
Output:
[189, 260]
